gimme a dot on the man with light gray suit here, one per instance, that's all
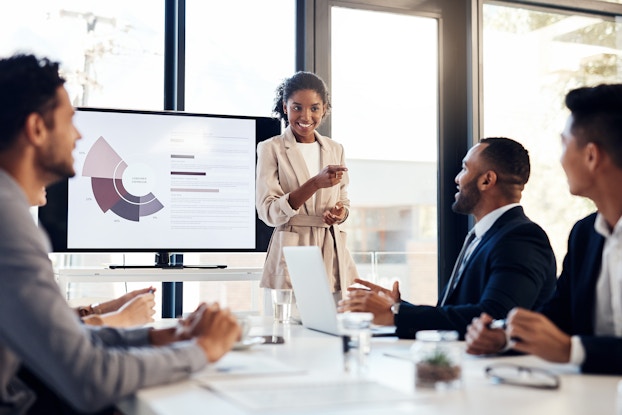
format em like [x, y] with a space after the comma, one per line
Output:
[66, 367]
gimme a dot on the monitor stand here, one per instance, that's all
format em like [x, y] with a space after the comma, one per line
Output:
[165, 260]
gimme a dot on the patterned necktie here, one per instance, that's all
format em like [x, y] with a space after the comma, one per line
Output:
[458, 266]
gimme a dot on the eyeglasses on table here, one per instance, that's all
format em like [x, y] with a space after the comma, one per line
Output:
[532, 377]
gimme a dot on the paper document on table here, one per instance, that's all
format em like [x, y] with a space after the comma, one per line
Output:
[298, 392]
[235, 364]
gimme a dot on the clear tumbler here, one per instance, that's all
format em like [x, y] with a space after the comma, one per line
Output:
[355, 330]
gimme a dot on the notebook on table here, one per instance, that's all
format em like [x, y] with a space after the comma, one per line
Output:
[314, 297]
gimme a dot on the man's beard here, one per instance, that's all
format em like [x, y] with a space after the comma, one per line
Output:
[468, 197]
[57, 170]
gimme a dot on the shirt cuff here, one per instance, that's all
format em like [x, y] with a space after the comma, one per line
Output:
[286, 208]
[577, 351]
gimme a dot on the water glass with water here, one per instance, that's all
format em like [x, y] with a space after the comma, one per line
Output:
[282, 299]
[355, 330]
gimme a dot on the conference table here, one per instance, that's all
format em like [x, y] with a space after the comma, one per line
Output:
[305, 375]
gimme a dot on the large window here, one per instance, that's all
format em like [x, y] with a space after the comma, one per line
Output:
[111, 52]
[112, 55]
[385, 113]
[532, 58]
[404, 105]
[237, 53]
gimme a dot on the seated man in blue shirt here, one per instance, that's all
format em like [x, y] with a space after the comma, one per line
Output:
[507, 262]
[582, 324]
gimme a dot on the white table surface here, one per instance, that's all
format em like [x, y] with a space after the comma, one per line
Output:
[319, 356]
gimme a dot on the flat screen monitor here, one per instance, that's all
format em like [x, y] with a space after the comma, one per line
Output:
[160, 182]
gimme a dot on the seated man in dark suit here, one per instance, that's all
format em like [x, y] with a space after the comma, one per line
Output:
[508, 262]
[582, 323]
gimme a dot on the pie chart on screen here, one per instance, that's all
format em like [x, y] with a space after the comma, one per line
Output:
[124, 189]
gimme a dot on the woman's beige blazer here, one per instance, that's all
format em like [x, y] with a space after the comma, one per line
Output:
[281, 169]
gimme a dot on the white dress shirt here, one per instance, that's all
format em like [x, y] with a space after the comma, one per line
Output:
[608, 312]
[311, 154]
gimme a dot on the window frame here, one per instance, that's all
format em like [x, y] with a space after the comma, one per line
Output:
[456, 130]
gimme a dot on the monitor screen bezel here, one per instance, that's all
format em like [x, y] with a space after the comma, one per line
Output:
[53, 217]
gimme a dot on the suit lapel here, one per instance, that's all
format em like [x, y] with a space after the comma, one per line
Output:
[586, 287]
[490, 233]
[321, 194]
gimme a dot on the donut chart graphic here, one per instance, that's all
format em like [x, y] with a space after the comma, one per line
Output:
[105, 168]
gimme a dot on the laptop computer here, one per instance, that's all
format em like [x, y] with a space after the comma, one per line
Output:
[314, 297]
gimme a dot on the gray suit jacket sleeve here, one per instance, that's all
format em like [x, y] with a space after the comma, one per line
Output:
[89, 368]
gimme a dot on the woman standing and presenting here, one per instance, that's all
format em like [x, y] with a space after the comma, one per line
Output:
[302, 185]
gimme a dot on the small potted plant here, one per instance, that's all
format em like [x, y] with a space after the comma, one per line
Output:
[436, 367]
[437, 359]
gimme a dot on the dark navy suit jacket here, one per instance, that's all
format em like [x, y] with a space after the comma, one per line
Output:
[572, 307]
[512, 266]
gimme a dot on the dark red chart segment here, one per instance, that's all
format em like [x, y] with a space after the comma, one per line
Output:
[105, 168]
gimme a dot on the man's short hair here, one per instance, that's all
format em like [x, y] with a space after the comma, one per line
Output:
[509, 159]
[597, 118]
[27, 85]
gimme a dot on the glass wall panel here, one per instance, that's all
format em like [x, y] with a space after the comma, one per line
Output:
[385, 113]
[111, 52]
[237, 52]
[531, 60]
